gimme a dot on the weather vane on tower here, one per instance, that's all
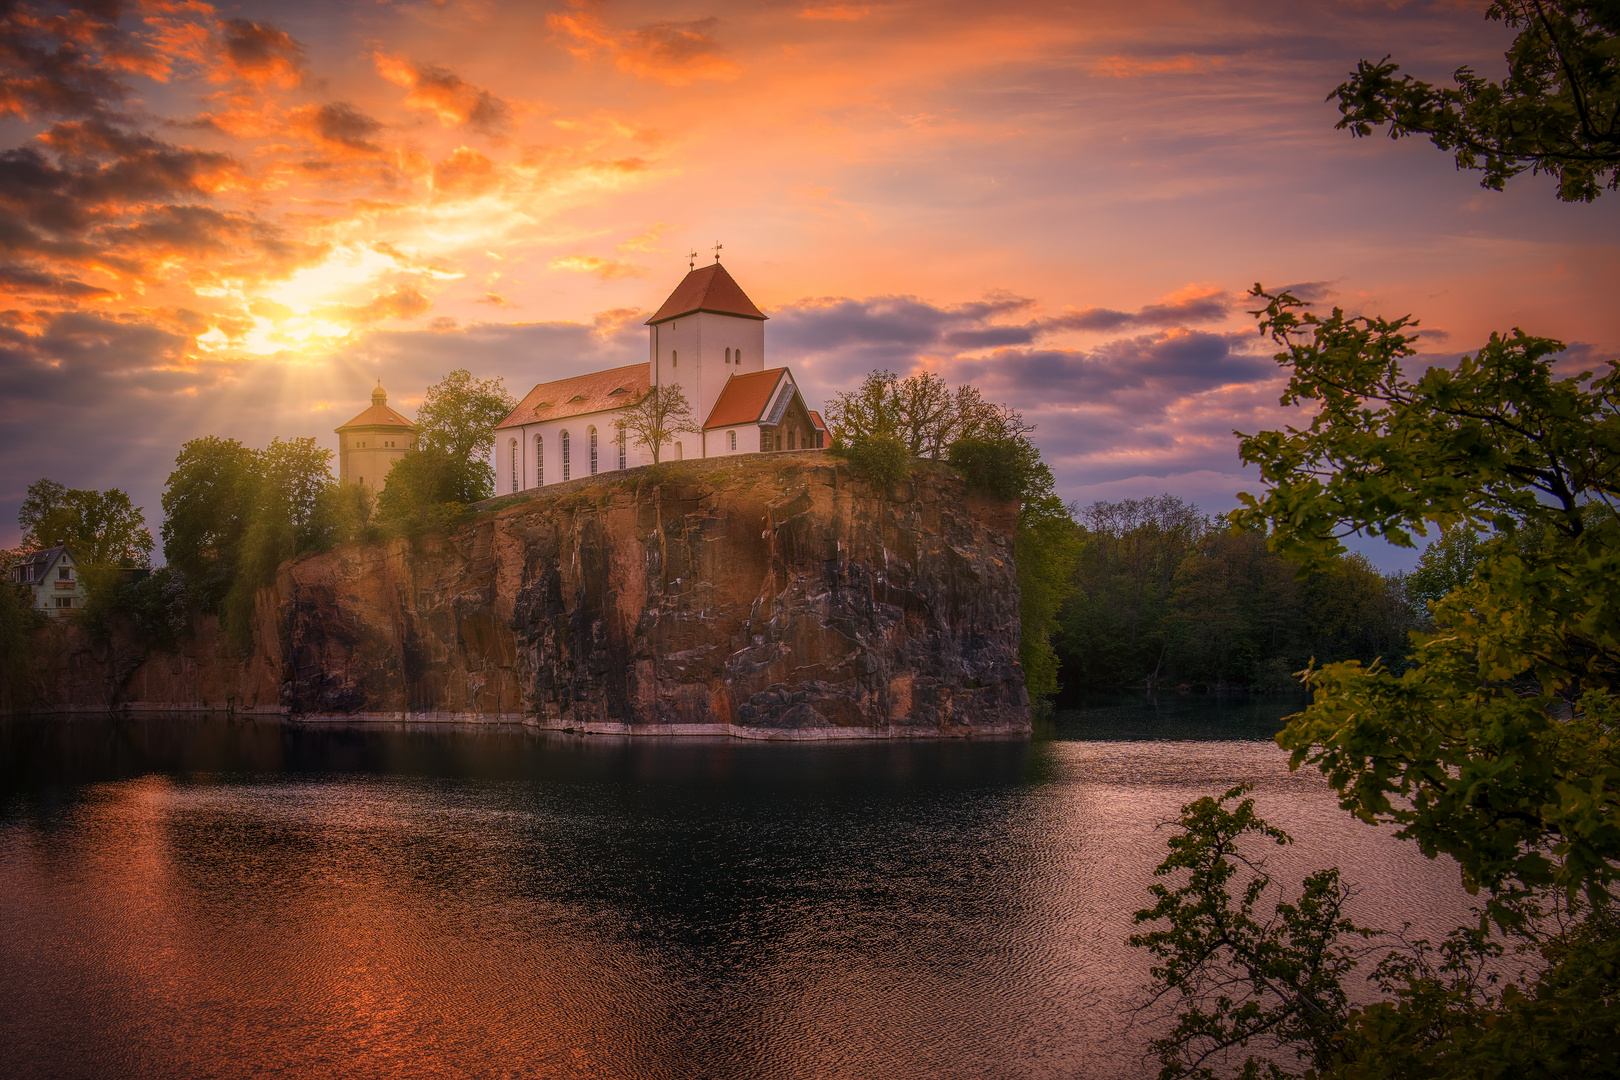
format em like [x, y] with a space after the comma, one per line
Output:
[717, 247]
[691, 261]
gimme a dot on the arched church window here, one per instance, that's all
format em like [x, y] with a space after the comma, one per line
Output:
[728, 356]
[539, 462]
[593, 449]
[513, 451]
[565, 455]
[731, 436]
[680, 452]
[736, 357]
[793, 439]
[674, 358]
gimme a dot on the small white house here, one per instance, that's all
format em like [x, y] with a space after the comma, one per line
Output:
[52, 575]
[709, 339]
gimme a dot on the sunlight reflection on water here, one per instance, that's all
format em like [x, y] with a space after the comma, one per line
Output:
[226, 898]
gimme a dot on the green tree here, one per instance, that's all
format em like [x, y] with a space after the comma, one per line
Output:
[1445, 566]
[102, 527]
[656, 418]
[17, 622]
[920, 411]
[1046, 548]
[206, 505]
[342, 512]
[1115, 628]
[287, 481]
[459, 414]
[1557, 111]
[429, 487]
[1499, 745]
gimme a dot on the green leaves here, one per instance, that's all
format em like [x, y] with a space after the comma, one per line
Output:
[103, 528]
[1557, 111]
[1240, 977]
[459, 414]
[1499, 442]
[1497, 747]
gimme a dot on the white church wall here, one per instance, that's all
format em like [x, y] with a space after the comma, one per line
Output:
[699, 352]
[518, 468]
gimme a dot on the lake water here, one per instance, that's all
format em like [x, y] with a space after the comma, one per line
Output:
[209, 897]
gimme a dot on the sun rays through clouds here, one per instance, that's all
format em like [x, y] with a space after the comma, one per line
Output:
[234, 219]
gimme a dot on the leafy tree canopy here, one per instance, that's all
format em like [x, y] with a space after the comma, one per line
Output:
[1498, 746]
[1557, 111]
[432, 477]
[920, 411]
[103, 528]
[206, 503]
[459, 414]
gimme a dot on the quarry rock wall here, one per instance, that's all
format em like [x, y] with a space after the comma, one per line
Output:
[773, 596]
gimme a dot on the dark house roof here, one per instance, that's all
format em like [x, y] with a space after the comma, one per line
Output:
[35, 565]
[708, 288]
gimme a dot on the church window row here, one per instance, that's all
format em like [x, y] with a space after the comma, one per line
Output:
[732, 437]
[566, 442]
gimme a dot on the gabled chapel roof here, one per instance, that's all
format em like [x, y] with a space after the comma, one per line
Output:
[708, 288]
[744, 398]
[599, 391]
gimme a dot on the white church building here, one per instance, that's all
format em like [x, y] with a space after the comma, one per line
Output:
[708, 338]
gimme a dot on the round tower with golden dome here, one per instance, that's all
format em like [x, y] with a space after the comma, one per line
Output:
[369, 444]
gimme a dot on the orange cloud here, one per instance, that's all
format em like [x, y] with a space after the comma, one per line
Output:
[837, 12]
[454, 100]
[675, 54]
[1127, 67]
[403, 303]
[465, 173]
[606, 269]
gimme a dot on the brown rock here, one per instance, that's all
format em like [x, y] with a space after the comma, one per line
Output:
[768, 597]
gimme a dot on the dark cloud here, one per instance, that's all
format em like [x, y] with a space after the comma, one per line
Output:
[94, 193]
[1199, 309]
[53, 59]
[23, 281]
[259, 53]
[339, 124]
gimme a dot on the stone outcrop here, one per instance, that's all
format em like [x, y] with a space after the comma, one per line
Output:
[772, 596]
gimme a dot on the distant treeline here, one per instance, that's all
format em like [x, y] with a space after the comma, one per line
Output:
[1165, 595]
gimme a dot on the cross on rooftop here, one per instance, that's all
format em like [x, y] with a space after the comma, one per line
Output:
[717, 246]
[691, 261]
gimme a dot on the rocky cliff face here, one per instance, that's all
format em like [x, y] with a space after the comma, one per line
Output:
[768, 597]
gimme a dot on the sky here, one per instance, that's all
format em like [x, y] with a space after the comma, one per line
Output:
[234, 219]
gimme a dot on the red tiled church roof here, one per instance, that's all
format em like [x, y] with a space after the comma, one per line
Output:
[596, 392]
[744, 398]
[708, 288]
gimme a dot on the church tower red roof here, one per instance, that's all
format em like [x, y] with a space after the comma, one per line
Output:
[708, 288]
